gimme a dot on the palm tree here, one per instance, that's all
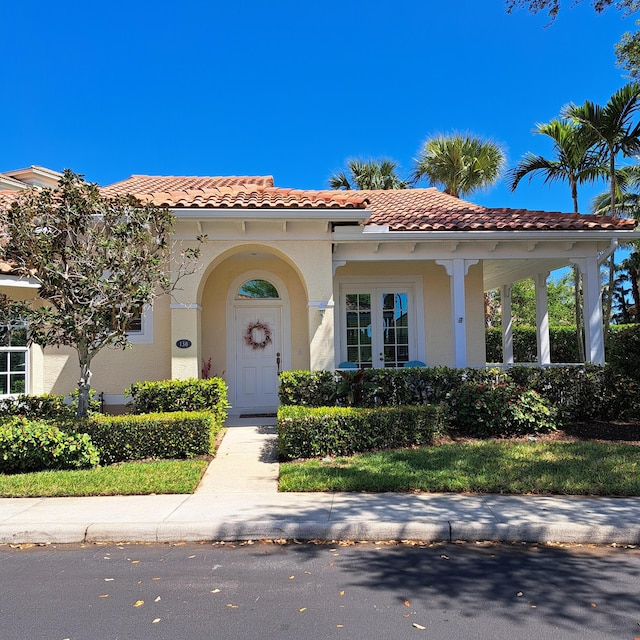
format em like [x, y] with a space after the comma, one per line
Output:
[459, 163]
[369, 174]
[576, 163]
[613, 133]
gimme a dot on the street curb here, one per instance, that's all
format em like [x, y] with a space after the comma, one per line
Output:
[217, 531]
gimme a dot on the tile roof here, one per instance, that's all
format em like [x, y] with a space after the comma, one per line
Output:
[399, 210]
[235, 192]
[431, 210]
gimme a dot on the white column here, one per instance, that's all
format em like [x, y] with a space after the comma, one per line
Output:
[185, 329]
[507, 325]
[542, 319]
[457, 269]
[592, 310]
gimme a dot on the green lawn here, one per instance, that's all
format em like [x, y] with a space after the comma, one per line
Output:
[513, 467]
[131, 478]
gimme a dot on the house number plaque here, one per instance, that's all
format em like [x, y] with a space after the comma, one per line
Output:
[183, 344]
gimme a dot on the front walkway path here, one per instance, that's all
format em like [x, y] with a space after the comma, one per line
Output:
[246, 461]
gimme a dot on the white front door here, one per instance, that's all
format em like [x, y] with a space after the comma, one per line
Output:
[258, 352]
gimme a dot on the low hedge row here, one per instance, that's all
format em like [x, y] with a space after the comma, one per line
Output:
[181, 395]
[182, 434]
[623, 346]
[577, 393]
[38, 445]
[305, 432]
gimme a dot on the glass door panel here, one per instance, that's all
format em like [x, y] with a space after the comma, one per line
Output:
[377, 328]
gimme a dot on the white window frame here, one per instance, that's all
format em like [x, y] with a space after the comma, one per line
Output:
[27, 370]
[145, 335]
[368, 284]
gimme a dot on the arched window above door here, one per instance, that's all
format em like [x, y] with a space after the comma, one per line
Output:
[257, 290]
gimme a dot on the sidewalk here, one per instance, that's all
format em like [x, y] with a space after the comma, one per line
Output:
[238, 500]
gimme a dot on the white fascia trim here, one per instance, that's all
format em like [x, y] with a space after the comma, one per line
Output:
[14, 281]
[349, 234]
[332, 215]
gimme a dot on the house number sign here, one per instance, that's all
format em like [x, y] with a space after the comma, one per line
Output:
[183, 344]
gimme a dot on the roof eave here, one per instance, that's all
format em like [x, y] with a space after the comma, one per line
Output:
[333, 214]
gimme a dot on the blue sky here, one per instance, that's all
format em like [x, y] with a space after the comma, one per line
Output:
[291, 89]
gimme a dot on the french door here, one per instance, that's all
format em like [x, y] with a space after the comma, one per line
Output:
[377, 326]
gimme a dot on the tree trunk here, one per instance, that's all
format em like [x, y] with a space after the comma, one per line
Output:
[84, 384]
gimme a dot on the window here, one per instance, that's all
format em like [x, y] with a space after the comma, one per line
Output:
[14, 361]
[257, 290]
[377, 326]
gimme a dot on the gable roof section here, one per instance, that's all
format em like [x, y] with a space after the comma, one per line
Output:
[232, 192]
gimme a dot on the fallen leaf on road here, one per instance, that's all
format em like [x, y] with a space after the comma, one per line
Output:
[138, 603]
[339, 626]
[104, 595]
[341, 593]
[303, 609]
[155, 620]
[232, 606]
[418, 626]
[157, 599]
[216, 591]
[407, 603]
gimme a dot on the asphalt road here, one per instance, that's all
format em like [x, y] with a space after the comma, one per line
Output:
[270, 591]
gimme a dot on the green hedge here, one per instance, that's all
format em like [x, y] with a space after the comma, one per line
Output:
[46, 406]
[623, 346]
[577, 393]
[37, 445]
[499, 411]
[306, 432]
[181, 395]
[155, 435]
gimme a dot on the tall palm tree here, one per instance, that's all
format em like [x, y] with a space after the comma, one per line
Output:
[369, 174]
[576, 163]
[614, 133]
[459, 163]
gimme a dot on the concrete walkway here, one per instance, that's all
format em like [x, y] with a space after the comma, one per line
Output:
[238, 500]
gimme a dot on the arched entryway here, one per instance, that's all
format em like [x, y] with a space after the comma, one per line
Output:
[258, 340]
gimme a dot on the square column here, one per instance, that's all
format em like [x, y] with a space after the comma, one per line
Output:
[542, 319]
[592, 310]
[457, 269]
[185, 328]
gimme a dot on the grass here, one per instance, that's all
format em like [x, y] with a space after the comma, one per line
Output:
[131, 478]
[510, 467]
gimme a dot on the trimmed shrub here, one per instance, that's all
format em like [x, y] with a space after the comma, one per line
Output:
[46, 407]
[306, 432]
[623, 350]
[563, 342]
[181, 395]
[155, 435]
[308, 388]
[37, 445]
[496, 411]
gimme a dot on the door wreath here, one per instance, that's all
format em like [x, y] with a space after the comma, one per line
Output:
[257, 335]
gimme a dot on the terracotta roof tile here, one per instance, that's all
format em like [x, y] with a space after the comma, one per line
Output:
[432, 210]
[235, 192]
[140, 184]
